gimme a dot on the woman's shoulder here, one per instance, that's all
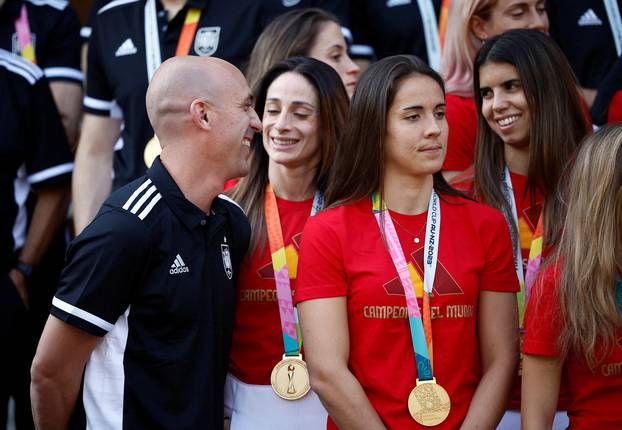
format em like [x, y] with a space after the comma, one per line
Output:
[342, 216]
[474, 211]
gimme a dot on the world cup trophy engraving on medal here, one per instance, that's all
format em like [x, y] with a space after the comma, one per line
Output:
[429, 403]
[290, 378]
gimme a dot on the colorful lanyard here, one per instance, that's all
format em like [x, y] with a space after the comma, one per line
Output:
[152, 35]
[420, 328]
[535, 257]
[24, 36]
[508, 191]
[430, 32]
[442, 25]
[290, 326]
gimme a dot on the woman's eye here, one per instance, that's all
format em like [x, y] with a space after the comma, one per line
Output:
[301, 115]
[439, 114]
[272, 111]
[485, 94]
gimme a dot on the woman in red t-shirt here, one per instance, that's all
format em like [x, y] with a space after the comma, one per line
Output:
[530, 122]
[573, 326]
[303, 105]
[358, 299]
[470, 24]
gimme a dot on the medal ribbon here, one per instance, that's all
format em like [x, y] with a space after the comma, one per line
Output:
[290, 327]
[442, 26]
[508, 191]
[535, 257]
[24, 36]
[152, 35]
[420, 328]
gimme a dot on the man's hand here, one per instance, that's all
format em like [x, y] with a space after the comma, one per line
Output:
[21, 285]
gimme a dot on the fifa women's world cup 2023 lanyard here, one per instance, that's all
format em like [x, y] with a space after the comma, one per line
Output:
[154, 57]
[428, 402]
[290, 377]
[527, 279]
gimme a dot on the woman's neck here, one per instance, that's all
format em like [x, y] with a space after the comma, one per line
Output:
[517, 159]
[406, 194]
[294, 184]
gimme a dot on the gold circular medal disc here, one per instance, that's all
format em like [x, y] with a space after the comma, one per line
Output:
[152, 150]
[429, 403]
[290, 378]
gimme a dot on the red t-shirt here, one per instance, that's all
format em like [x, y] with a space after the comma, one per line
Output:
[257, 340]
[594, 398]
[614, 114]
[461, 115]
[343, 254]
[528, 212]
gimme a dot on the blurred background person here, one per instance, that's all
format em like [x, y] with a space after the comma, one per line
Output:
[35, 156]
[469, 25]
[589, 32]
[381, 28]
[311, 33]
[573, 325]
[303, 105]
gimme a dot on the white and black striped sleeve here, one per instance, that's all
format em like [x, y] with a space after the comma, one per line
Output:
[99, 96]
[48, 159]
[105, 266]
[62, 57]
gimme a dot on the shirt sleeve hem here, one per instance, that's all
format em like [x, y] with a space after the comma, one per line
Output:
[539, 348]
[319, 292]
[77, 322]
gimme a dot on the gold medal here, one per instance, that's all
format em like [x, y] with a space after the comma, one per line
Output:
[290, 378]
[429, 403]
[152, 150]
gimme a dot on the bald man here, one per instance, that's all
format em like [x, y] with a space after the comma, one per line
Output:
[140, 327]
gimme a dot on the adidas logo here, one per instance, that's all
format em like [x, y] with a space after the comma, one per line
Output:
[589, 18]
[126, 48]
[178, 266]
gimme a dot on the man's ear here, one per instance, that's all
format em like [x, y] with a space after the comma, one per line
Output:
[201, 114]
[478, 27]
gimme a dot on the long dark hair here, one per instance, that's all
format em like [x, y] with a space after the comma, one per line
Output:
[291, 34]
[333, 105]
[557, 126]
[359, 161]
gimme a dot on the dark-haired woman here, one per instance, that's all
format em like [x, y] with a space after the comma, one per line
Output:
[530, 122]
[573, 325]
[306, 32]
[406, 288]
[303, 105]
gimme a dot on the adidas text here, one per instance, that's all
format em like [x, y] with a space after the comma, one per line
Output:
[177, 270]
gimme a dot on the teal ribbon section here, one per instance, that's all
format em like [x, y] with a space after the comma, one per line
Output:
[422, 357]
